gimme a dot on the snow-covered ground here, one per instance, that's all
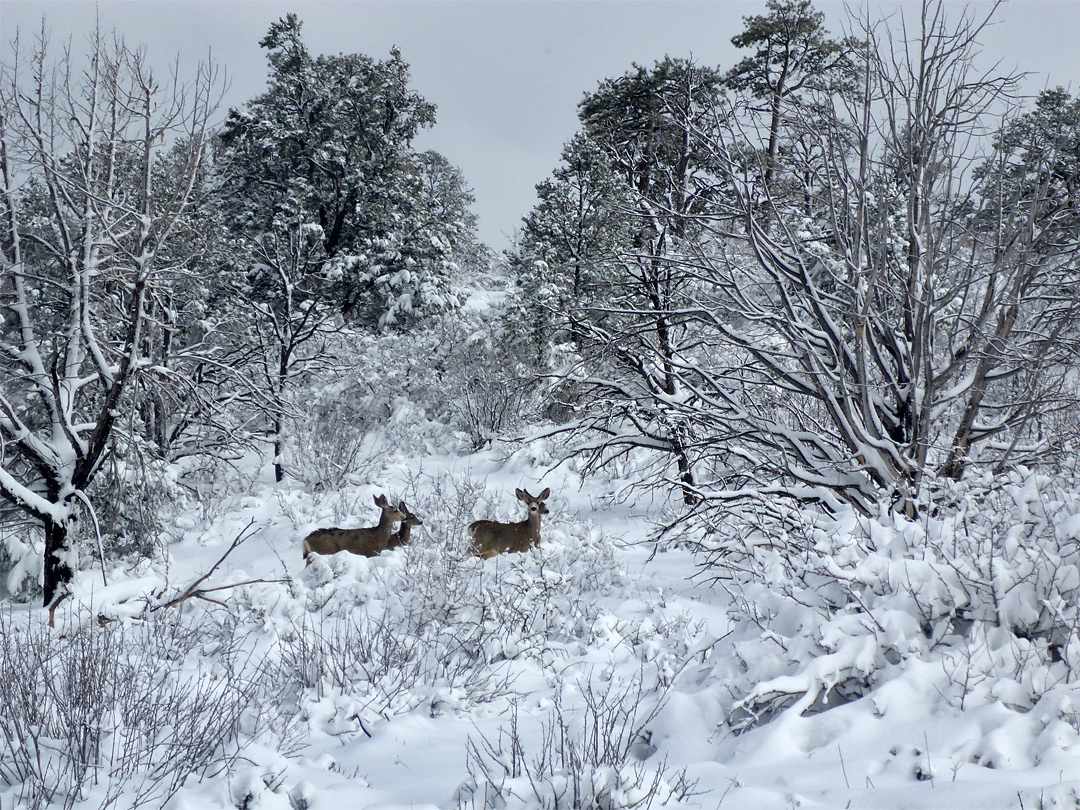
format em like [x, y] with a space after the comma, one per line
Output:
[599, 671]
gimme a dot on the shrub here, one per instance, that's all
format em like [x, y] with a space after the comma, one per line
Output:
[593, 759]
[984, 583]
[98, 714]
[333, 445]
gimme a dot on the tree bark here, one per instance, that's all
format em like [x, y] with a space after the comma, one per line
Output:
[58, 572]
[686, 472]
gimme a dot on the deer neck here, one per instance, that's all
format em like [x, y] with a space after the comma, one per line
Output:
[386, 526]
[532, 524]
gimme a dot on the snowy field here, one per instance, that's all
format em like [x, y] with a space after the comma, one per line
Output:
[602, 671]
[763, 335]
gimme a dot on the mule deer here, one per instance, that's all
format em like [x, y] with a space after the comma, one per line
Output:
[368, 542]
[489, 537]
[404, 534]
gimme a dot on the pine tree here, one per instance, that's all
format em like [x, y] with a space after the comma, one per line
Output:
[640, 167]
[330, 145]
[569, 240]
[793, 52]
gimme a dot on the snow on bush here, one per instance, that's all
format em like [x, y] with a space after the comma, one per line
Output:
[395, 394]
[595, 758]
[432, 625]
[120, 714]
[975, 602]
[21, 563]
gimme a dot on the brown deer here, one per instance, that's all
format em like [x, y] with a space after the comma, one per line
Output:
[489, 537]
[368, 542]
[404, 534]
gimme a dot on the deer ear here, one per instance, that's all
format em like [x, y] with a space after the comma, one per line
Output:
[543, 496]
[522, 495]
[402, 507]
[380, 500]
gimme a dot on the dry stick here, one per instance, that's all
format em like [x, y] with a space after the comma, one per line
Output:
[194, 591]
[843, 769]
[732, 782]
[929, 768]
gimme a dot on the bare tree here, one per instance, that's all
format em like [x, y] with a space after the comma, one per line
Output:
[87, 219]
[900, 315]
[287, 315]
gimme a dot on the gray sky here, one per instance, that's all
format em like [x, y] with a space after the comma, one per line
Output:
[506, 76]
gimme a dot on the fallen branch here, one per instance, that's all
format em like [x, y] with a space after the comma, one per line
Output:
[193, 591]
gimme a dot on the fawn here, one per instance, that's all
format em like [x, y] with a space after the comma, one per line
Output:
[368, 542]
[403, 535]
[489, 537]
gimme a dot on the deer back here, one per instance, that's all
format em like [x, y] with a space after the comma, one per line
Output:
[365, 542]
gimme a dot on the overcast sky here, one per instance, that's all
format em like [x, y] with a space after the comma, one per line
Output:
[506, 76]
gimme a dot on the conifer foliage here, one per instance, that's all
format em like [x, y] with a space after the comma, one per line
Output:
[328, 150]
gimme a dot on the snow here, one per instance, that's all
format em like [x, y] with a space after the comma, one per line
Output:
[481, 301]
[386, 682]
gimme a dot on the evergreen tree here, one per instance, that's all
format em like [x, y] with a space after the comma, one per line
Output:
[793, 52]
[645, 145]
[1037, 157]
[568, 243]
[330, 145]
[332, 216]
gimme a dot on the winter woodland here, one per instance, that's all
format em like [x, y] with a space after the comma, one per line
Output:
[788, 350]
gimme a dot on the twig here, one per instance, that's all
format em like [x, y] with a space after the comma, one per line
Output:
[97, 531]
[929, 769]
[193, 590]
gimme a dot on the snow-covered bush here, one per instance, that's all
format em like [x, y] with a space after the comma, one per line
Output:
[98, 717]
[20, 560]
[490, 397]
[489, 389]
[133, 495]
[596, 758]
[357, 668]
[332, 446]
[429, 626]
[395, 393]
[984, 585]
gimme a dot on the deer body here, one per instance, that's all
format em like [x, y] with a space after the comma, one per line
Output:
[404, 534]
[369, 542]
[489, 537]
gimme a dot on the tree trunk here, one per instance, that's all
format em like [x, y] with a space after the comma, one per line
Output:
[58, 573]
[686, 476]
[284, 356]
[279, 448]
[774, 142]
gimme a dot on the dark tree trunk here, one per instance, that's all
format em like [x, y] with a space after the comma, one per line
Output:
[279, 448]
[686, 470]
[284, 356]
[58, 573]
